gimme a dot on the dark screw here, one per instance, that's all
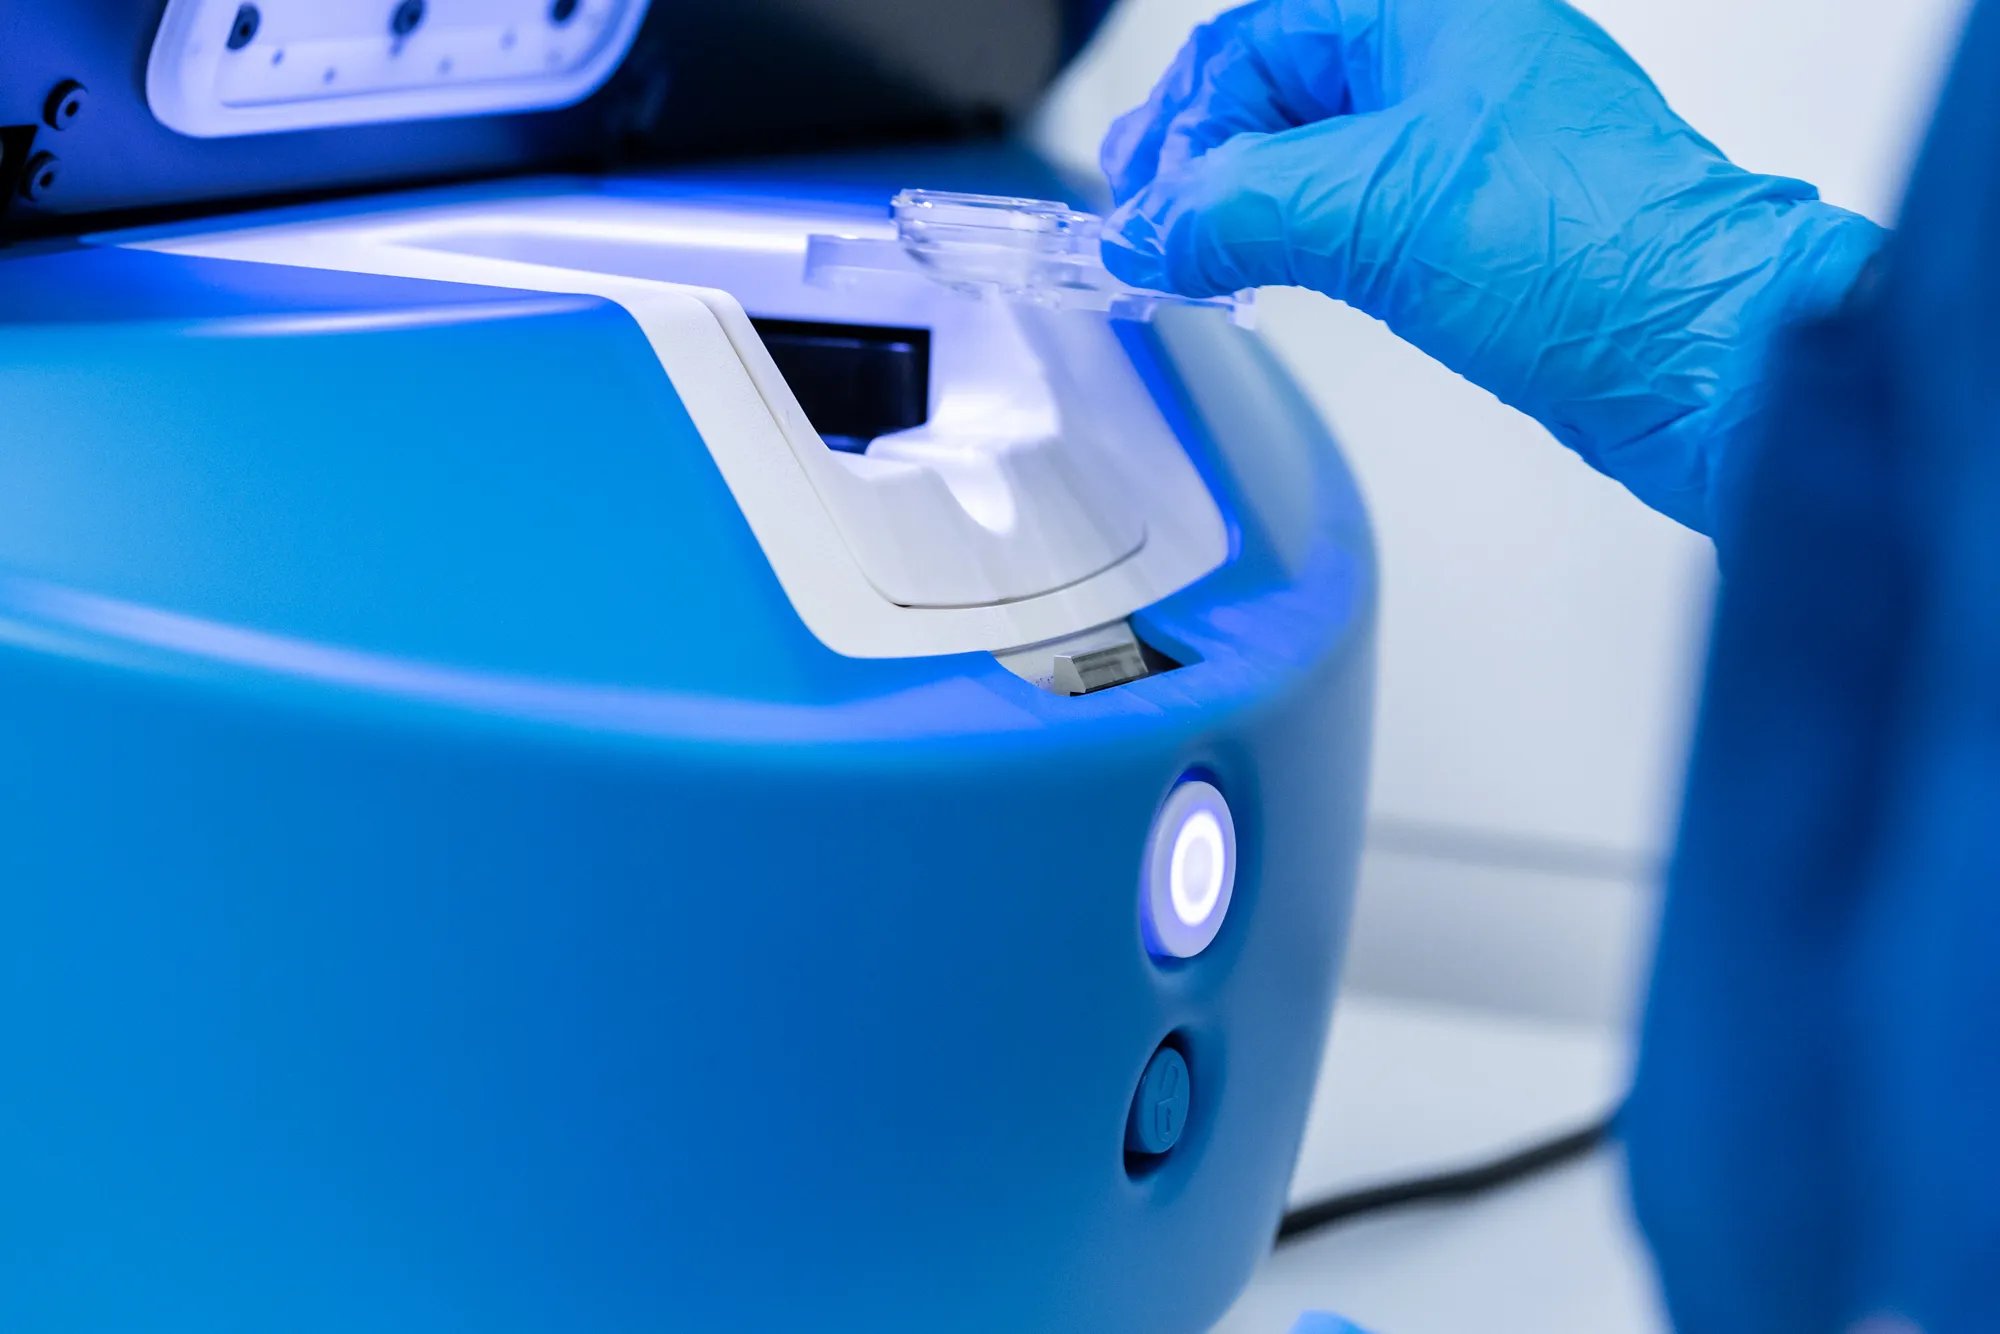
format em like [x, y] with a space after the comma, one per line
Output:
[244, 26]
[405, 17]
[40, 177]
[64, 105]
[562, 11]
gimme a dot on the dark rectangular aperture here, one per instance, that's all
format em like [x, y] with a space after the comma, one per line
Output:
[855, 381]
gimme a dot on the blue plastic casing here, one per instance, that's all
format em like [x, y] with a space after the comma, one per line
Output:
[444, 886]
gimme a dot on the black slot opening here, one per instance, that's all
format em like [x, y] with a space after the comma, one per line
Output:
[855, 381]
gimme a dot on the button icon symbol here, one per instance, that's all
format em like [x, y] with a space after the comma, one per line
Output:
[1160, 1108]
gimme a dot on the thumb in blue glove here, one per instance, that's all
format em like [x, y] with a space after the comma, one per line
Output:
[1316, 1322]
[1499, 183]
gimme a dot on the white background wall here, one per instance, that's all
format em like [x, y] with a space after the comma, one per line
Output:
[1542, 631]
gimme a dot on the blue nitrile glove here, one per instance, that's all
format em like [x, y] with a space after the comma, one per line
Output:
[1317, 1322]
[1505, 188]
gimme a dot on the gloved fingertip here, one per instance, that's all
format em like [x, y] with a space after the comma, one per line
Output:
[1117, 155]
[1320, 1322]
[1132, 248]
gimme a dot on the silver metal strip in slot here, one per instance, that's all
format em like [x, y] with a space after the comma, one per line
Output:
[1095, 659]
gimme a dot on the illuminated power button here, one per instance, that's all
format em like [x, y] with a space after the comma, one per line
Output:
[1189, 872]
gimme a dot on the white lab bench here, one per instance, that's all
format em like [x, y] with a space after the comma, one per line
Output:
[1410, 1086]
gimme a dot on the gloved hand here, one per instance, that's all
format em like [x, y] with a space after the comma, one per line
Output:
[1505, 188]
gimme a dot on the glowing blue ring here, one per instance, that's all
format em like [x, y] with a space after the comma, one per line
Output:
[1189, 873]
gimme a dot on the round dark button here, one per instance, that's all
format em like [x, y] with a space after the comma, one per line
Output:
[243, 28]
[405, 17]
[63, 105]
[1160, 1107]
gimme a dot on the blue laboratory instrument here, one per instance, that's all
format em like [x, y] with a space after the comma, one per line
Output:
[602, 731]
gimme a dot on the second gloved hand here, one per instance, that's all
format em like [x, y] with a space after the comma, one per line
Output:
[1505, 188]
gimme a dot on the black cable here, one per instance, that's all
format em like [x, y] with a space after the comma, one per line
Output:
[1459, 1183]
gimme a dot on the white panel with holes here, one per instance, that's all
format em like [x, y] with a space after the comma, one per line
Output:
[226, 67]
